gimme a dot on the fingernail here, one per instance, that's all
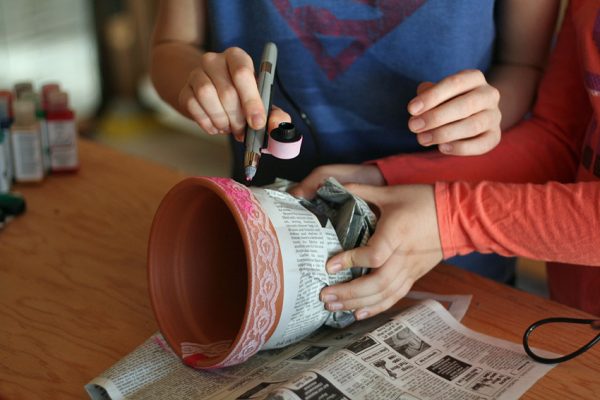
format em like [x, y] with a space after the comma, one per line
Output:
[417, 124]
[257, 121]
[328, 298]
[332, 269]
[334, 306]
[362, 315]
[221, 132]
[445, 148]
[415, 106]
[425, 138]
[214, 131]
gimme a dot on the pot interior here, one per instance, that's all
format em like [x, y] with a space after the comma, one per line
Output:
[198, 275]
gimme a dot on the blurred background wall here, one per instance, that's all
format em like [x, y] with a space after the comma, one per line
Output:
[54, 40]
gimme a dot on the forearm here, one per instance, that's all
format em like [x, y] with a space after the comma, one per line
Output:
[525, 29]
[177, 42]
[551, 222]
[534, 151]
[517, 85]
[544, 148]
[171, 65]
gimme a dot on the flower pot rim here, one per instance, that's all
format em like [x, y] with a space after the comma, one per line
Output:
[215, 185]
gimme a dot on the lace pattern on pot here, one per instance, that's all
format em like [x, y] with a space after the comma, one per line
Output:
[265, 278]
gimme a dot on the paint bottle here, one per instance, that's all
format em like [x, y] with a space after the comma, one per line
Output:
[44, 93]
[26, 143]
[5, 159]
[62, 133]
[9, 96]
[40, 114]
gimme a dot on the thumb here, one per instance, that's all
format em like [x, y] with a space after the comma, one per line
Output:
[373, 255]
[276, 117]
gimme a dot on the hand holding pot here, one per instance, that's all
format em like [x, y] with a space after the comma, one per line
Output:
[405, 246]
[234, 270]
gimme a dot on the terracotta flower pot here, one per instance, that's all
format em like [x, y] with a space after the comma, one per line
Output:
[216, 272]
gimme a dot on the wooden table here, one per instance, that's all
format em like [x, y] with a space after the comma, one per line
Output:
[73, 292]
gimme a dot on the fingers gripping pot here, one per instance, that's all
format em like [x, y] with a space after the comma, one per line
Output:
[234, 270]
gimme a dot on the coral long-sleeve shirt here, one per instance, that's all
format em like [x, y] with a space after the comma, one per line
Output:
[538, 193]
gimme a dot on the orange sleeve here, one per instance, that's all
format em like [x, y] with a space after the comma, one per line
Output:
[543, 148]
[551, 222]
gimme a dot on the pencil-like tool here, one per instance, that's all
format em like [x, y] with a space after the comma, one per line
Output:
[255, 139]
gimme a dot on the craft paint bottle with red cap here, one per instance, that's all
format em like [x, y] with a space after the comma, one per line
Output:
[26, 143]
[62, 133]
[45, 92]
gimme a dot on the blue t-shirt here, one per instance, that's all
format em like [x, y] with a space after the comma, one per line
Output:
[353, 66]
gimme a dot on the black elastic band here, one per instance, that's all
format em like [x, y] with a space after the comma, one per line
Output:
[594, 324]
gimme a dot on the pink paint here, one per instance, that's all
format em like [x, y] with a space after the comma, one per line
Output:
[239, 194]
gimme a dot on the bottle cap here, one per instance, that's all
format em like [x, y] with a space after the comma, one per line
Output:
[23, 87]
[46, 90]
[24, 112]
[58, 100]
[12, 204]
[7, 94]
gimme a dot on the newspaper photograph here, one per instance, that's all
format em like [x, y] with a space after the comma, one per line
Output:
[421, 352]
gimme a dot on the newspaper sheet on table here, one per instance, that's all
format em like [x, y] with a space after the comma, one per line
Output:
[421, 353]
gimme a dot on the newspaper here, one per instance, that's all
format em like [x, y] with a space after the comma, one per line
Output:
[310, 232]
[422, 352]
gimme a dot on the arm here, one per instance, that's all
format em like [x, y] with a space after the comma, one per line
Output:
[543, 148]
[217, 90]
[177, 46]
[551, 222]
[525, 31]
[464, 113]
[554, 222]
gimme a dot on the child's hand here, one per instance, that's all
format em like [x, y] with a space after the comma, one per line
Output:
[405, 246]
[344, 173]
[222, 95]
[460, 113]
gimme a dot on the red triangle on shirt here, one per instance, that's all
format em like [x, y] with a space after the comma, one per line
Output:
[313, 23]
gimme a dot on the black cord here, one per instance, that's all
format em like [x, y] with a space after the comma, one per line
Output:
[303, 116]
[594, 324]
